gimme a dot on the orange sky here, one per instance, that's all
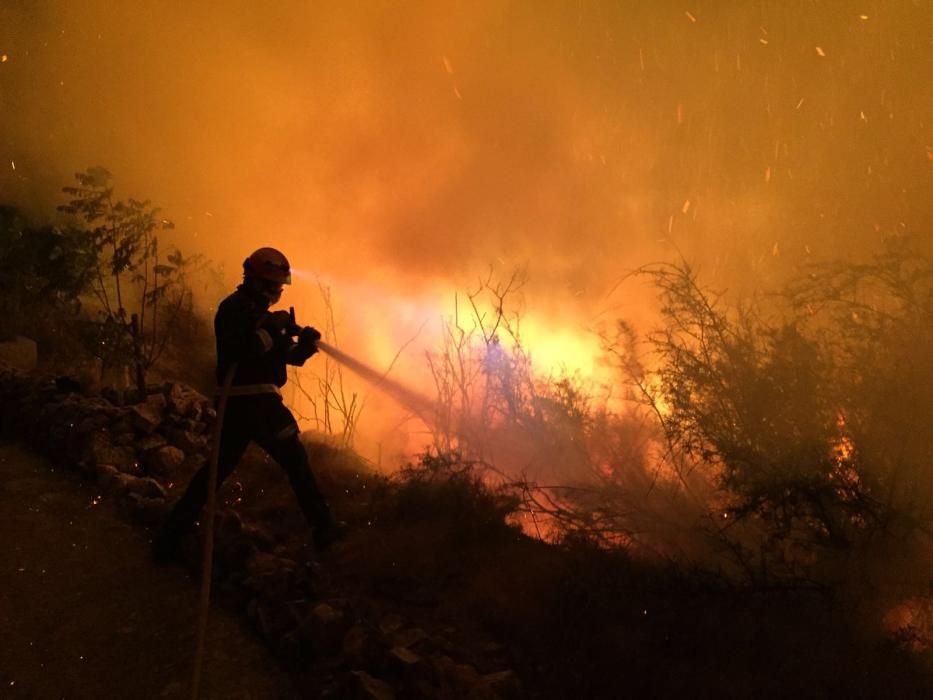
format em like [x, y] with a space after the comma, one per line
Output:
[399, 149]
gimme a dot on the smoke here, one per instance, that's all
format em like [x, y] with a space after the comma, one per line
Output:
[396, 151]
[407, 143]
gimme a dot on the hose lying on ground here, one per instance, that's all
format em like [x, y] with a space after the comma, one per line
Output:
[207, 564]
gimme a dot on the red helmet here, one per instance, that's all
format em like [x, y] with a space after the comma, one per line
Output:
[268, 264]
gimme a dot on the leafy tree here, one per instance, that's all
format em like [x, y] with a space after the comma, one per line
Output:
[44, 271]
[133, 281]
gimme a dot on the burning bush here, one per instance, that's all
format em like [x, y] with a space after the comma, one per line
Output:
[786, 431]
[806, 415]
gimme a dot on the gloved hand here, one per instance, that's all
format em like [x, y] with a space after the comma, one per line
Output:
[307, 341]
[277, 325]
[277, 322]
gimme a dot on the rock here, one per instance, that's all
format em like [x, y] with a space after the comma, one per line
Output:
[265, 622]
[105, 475]
[151, 442]
[263, 540]
[125, 460]
[164, 462]
[21, 353]
[289, 650]
[413, 675]
[99, 449]
[147, 416]
[275, 619]
[262, 565]
[492, 649]
[233, 551]
[391, 623]
[148, 511]
[112, 395]
[406, 663]
[360, 648]
[229, 524]
[175, 689]
[493, 657]
[116, 377]
[124, 440]
[410, 637]
[126, 484]
[462, 678]
[187, 441]
[503, 685]
[324, 627]
[275, 578]
[369, 688]
[122, 423]
[184, 401]
[92, 424]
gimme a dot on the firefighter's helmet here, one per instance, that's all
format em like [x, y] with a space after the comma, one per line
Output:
[268, 264]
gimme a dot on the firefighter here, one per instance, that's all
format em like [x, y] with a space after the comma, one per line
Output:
[261, 343]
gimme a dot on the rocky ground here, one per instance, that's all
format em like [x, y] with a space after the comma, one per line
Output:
[433, 594]
[83, 612]
[323, 620]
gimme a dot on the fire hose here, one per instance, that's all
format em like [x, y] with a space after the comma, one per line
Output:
[207, 563]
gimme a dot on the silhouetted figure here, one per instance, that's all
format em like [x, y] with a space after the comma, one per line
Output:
[261, 343]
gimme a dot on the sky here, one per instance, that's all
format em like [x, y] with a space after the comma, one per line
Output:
[400, 151]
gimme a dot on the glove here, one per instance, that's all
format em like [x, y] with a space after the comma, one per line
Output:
[307, 341]
[277, 322]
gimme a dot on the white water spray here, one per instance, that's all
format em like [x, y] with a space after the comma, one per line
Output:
[417, 403]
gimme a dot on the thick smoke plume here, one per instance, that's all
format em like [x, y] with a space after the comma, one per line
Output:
[397, 150]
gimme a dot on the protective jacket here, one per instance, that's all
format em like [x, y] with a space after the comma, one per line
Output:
[261, 353]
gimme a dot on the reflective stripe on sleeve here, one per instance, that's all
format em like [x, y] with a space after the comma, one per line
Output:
[287, 432]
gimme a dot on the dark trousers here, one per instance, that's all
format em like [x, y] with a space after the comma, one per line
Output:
[265, 420]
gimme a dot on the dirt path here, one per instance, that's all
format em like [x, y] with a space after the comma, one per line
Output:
[83, 612]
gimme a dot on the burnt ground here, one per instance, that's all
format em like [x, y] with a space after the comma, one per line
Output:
[85, 614]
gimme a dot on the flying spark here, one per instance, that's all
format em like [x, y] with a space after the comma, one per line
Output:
[819, 51]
